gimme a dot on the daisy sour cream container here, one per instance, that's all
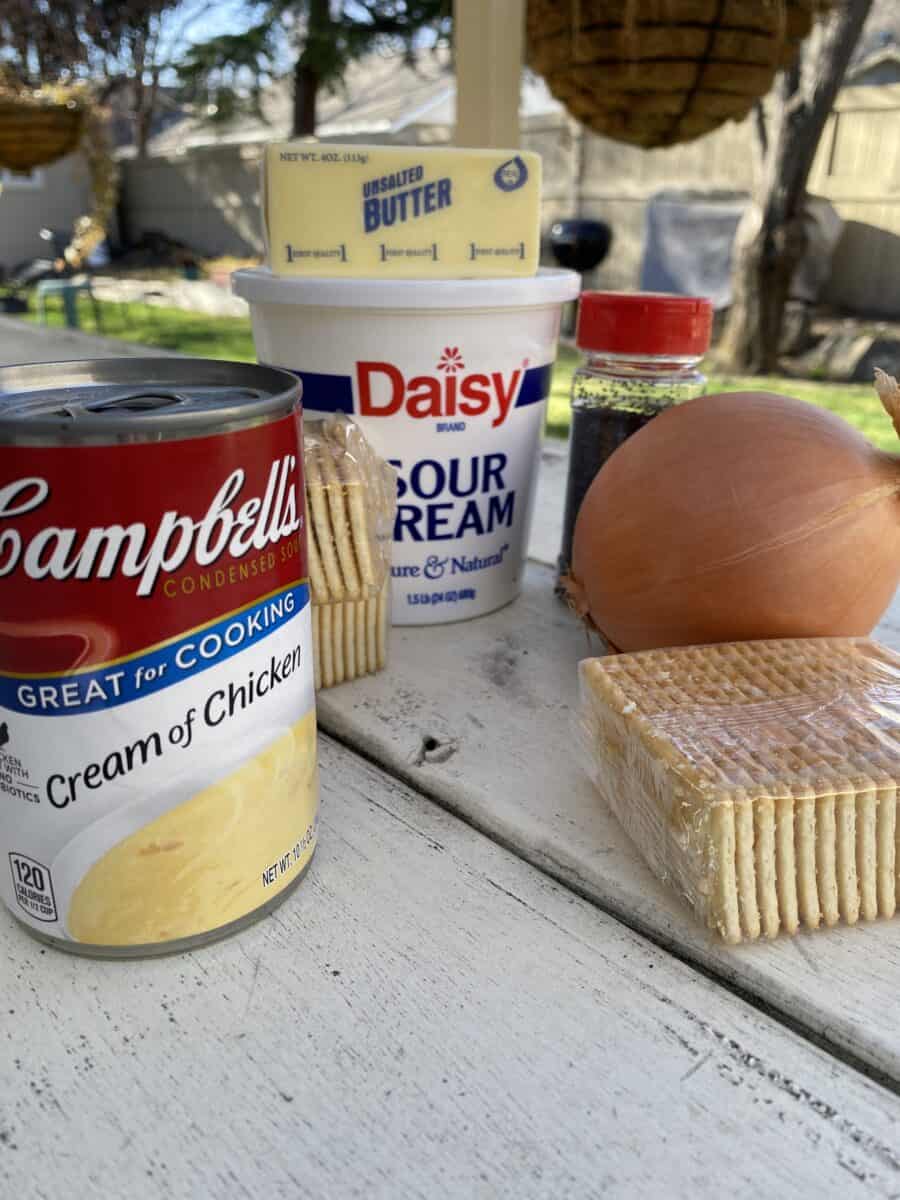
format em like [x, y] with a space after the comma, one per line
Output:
[448, 380]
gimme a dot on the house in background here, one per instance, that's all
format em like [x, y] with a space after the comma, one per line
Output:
[51, 197]
[55, 196]
[199, 183]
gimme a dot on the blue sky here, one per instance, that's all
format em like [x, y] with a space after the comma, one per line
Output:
[201, 21]
[225, 16]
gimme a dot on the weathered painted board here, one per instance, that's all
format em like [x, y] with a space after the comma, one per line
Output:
[546, 523]
[498, 697]
[23, 343]
[428, 1016]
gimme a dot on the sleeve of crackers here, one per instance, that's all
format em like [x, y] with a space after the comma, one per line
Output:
[351, 501]
[759, 780]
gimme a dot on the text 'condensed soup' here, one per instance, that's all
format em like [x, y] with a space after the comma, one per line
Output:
[157, 719]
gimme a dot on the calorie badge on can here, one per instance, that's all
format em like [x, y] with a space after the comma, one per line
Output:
[158, 778]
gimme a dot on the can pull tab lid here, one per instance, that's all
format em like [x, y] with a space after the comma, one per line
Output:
[138, 400]
[108, 399]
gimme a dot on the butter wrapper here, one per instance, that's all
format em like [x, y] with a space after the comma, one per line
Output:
[394, 212]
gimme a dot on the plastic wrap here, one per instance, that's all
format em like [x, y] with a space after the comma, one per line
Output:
[351, 500]
[759, 779]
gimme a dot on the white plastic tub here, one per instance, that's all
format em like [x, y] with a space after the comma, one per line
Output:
[448, 380]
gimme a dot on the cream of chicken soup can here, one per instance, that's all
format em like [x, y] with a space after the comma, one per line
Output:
[158, 780]
[448, 380]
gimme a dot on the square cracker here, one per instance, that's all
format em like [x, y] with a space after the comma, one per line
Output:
[760, 778]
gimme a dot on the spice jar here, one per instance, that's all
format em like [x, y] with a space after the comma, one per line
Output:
[642, 352]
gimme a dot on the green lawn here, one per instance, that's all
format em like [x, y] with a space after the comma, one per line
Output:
[230, 337]
[166, 328]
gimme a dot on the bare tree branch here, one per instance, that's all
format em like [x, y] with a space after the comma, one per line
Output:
[822, 76]
[761, 127]
[772, 238]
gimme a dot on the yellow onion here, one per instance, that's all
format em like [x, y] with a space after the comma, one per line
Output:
[740, 516]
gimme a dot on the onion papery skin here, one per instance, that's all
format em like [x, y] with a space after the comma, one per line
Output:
[736, 517]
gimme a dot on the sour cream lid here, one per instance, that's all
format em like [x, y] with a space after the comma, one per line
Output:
[259, 285]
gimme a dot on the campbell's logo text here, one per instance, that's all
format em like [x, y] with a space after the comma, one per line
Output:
[232, 525]
[383, 390]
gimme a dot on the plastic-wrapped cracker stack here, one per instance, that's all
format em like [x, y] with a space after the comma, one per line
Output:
[351, 499]
[759, 778]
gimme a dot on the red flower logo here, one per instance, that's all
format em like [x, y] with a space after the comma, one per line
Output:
[451, 360]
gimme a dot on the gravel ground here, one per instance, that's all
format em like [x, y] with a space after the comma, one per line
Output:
[193, 295]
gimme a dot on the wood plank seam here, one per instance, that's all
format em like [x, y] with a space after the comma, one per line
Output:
[735, 1051]
[558, 873]
[353, 1042]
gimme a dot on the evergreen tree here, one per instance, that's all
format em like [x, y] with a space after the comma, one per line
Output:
[323, 38]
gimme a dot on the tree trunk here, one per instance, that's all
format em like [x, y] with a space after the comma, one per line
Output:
[766, 253]
[772, 237]
[306, 88]
[306, 76]
[145, 112]
[123, 217]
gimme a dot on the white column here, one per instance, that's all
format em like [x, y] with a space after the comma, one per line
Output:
[489, 38]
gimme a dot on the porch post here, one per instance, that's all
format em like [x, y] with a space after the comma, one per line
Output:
[489, 40]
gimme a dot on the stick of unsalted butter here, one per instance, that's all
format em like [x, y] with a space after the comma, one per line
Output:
[401, 211]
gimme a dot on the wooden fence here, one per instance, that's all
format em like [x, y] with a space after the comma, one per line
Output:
[858, 169]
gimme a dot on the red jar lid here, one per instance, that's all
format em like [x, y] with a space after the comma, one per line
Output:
[644, 323]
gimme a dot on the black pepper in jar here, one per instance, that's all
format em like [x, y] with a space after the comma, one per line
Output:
[642, 354]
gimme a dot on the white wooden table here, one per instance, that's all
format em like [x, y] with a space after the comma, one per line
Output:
[479, 991]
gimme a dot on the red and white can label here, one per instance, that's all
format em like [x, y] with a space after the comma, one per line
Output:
[157, 715]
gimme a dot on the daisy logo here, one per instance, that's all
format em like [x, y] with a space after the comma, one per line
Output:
[451, 361]
[382, 389]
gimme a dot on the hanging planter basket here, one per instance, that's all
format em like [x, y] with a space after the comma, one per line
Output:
[33, 134]
[37, 127]
[658, 72]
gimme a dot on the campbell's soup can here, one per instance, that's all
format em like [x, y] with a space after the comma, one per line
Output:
[158, 780]
[448, 380]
